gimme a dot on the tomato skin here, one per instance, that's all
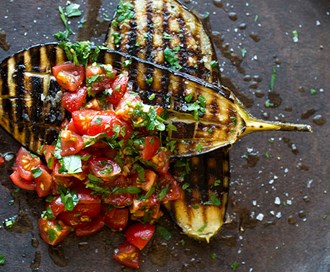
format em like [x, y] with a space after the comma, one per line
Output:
[73, 101]
[116, 218]
[127, 105]
[22, 183]
[43, 183]
[161, 161]
[94, 226]
[140, 234]
[48, 152]
[104, 168]
[69, 76]
[57, 206]
[71, 143]
[53, 231]
[151, 146]
[174, 190]
[128, 255]
[100, 77]
[25, 162]
[92, 122]
[119, 88]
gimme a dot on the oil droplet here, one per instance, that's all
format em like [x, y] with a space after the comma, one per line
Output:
[301, 89]
[232, 16]
[34, 242]
[319, 120]
[242, 26]
[254, 36]
[57, 255]
[302, 214]
[306, 198]
[36, 262]
[275, 99]
[247, 78]
[253, 85]
[292, 220]
[308, 113]
[259, 93]
[83, 245]
[302, 166]
[3, 41]
[218, 3]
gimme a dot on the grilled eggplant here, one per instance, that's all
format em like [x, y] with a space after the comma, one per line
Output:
[146, 29]
[165, 32]
[32, 112]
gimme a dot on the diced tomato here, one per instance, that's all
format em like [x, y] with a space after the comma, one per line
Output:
[100, 77]
[48, 152]
[119, 88]
[53, 231]
[69, 76]
[161, 161]
[150, 178]
[127, 254]
[22, 183]
[43, 183]
[116, 218]
[25, 162]
[57, 206]
[2, 160]
[104, 168]
[94, 226]
[91, 122]
[73, 101]
[140, 234]
[71, 143]
[151, 146]
[127, 104]
[174, 190]
[148, 209]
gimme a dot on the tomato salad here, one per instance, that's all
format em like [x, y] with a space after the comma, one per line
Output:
[108, 165]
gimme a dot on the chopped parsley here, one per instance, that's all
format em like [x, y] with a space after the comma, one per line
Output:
[313, 91]
[149, 80]
[69, 198]
[214, 64]
[167, 36]
[295, 36]
[171, 58]
[269, 104]
[202, 228]
[234, 266]
[273, 78]
[164, 233]
[71, 10]
[243, 52]
[36, 172]
[214, 200]
[124, 12]
[2, 259]
[197, 107]
[48, 213]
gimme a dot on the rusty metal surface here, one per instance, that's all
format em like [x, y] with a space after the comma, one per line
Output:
[292, 168]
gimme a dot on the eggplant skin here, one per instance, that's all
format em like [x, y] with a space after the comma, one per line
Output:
[147, 28]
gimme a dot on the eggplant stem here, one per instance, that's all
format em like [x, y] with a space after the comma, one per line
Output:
[254, 125]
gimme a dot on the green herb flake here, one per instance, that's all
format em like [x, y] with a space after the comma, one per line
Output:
[202, 228]
[214, 64]
[295, 36]
[199, 148]
[9, 222]
[52, 234]
[234, 266]
[36, 172]
[171, 58]
[70, 164]
[214, 256]
[127, 62]
[313, 91]
[48, 213]
[164, 233]
[243, 52]
[69, 198]
[189, 97]
[269, 104]
[167, 36]
[149, 80]
[214, 200]
[72, 10]
[195, 206]
[162, 193]
[217, 182]
[151, 97]
[2, 259]
[273, 78]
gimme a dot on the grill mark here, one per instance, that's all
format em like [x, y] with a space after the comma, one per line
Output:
[149, 55]
[35, 60]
